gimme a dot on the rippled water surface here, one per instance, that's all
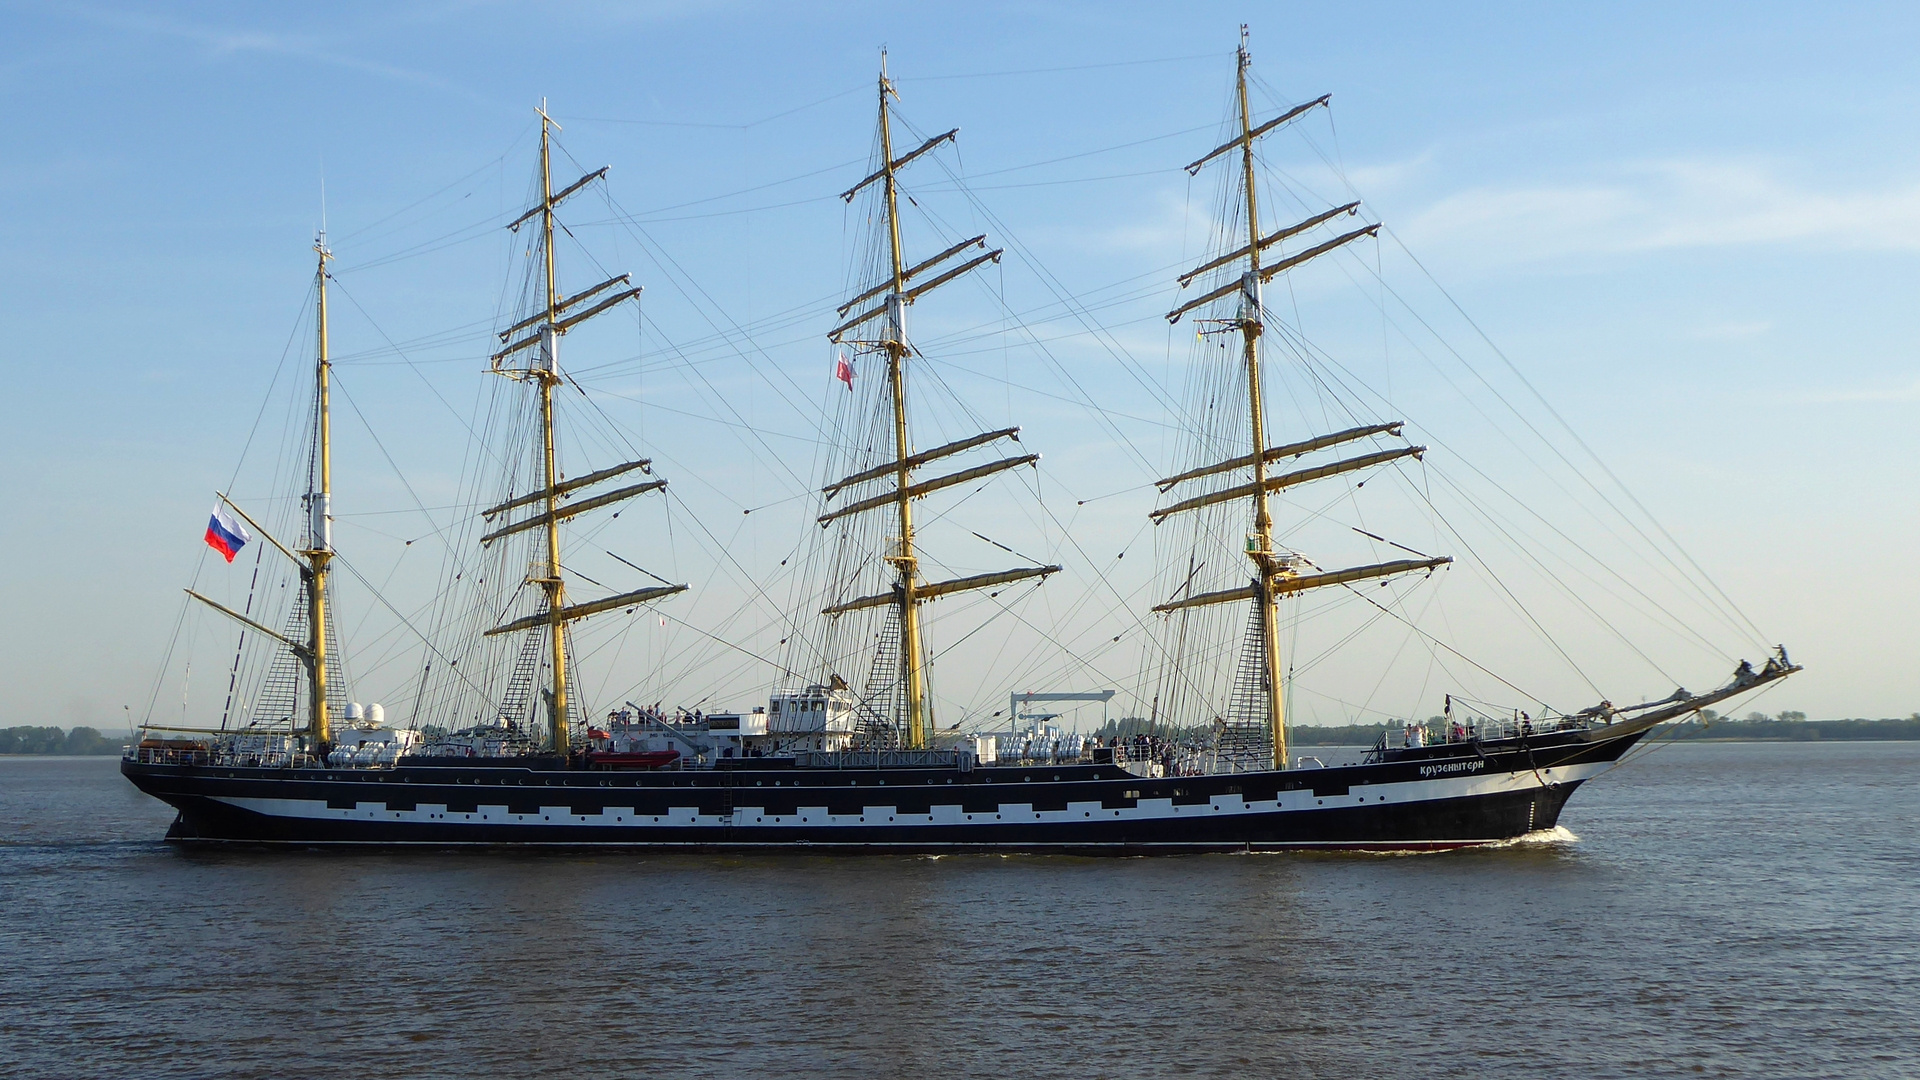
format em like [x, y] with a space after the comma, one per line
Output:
[1726, 910]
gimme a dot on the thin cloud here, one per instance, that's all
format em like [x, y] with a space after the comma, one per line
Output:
[1667, 206]
[1868, 395]
[1731, 331]
[221, 42]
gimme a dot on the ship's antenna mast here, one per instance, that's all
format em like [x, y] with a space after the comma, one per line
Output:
[320, 512]
[894, 339]
[1250, 327]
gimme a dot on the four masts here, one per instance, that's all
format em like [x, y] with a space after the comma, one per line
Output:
[1276, 574]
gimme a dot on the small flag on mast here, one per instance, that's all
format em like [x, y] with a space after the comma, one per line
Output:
[843, 370]
[225, 534]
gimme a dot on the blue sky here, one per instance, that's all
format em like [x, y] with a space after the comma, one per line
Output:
[1693, 227]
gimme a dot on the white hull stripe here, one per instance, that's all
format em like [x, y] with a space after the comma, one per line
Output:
[1428, 790]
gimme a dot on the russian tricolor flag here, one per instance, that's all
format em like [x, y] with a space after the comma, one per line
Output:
[225, 534]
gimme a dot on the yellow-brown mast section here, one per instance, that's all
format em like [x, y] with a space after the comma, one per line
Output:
[320, 515]
[1261, 548]
[1277, 575]
[539, 337]
[547, 371]
[894, 341]
[909, 592]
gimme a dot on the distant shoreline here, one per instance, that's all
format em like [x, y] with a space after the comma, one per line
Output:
[89, 742]
[1717, 730]
[54, 742]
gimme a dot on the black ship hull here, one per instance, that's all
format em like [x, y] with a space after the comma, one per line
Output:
[1431, 798]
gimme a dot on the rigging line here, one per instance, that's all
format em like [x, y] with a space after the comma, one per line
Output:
[398, 351]
[625, 220]
[479, 230]
[418, 503]
[1006, 549]
[1489, 517]
[676, 277]
[1092, 153]
[267, 398]
[1054, 183]
[1694, 584]
[424, 640]
[1582, 443]
[1476, 664]
[726, 553]
[1124, 604]
[642, 569]
[1086, 399]
[775, 664]
[1545, 635]
[1678, 734]
[942, 361]
[1386, 668]
[861, 89]
[449, 187]
[740, 191]
[1308, 353]
[1054, 70]
[1006, 609]
[709, 419]
[1061, 293]
[1032, 588]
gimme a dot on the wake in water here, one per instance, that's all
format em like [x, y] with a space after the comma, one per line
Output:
[1559, 834]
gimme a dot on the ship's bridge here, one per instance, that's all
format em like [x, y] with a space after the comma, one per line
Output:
[813, 718]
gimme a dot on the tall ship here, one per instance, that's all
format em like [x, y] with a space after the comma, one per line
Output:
[846, 755]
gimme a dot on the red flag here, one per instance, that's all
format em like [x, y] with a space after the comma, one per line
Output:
[843, 370]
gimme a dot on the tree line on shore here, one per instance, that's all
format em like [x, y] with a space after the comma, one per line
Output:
[52, 740]
[1787, 726]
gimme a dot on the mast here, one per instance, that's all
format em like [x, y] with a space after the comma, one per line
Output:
[548, 375]
[909, 593]
[1261, 547]
[541, 341]
[320, 514]
[1276, 574]
[894, 339]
